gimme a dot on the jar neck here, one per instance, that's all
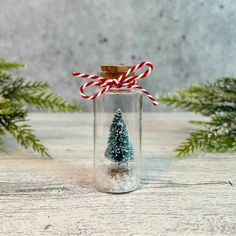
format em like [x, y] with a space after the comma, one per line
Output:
[123, 90]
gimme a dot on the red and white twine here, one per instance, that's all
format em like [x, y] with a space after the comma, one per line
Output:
[123, 81]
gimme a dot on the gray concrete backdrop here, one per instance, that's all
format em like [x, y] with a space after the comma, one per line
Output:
[187, 41]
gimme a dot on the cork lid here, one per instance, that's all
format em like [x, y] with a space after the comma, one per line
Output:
[114, 71]
[115, 68]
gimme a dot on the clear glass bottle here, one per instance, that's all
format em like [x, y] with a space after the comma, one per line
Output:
[117, 139]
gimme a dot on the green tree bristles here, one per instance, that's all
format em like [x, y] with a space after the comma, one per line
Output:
[217, 101]
[15, 94]
[119, 148]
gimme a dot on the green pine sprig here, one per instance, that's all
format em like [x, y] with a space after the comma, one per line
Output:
[217, 101]
[4, 65]
[15, 95]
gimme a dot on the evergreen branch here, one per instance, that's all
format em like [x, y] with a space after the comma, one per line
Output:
[216, 100]
[194, 142]
[34, 85]
[226, 84]
[9, 65]
[24, 135]
[15, 93]
[203, 140]
[229, 117]
[4, 106]
[15, 88]
[46, 100]
[33, 94]
[14, 123]
[194, 101]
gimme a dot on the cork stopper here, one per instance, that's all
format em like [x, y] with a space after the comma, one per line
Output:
[115, 68]
[114, 71]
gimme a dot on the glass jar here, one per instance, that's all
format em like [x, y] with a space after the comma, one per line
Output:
[117, 140]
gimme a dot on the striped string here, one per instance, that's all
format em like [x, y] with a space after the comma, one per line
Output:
[123, 81]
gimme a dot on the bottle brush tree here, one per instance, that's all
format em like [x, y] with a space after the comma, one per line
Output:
[15, 94]
[119, 148]
[218, 102]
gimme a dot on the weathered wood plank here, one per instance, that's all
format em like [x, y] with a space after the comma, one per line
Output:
[194, 196]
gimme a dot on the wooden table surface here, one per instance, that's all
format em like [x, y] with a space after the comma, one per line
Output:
[191, 196]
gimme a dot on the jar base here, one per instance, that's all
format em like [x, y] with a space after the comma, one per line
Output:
[116, 192]
[114, 178]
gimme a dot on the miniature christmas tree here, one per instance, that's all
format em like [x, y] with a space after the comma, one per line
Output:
[120, 148]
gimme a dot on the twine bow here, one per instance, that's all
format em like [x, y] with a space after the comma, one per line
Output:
[123, 81]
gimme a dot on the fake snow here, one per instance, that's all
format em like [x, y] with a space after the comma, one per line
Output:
[114, 178]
